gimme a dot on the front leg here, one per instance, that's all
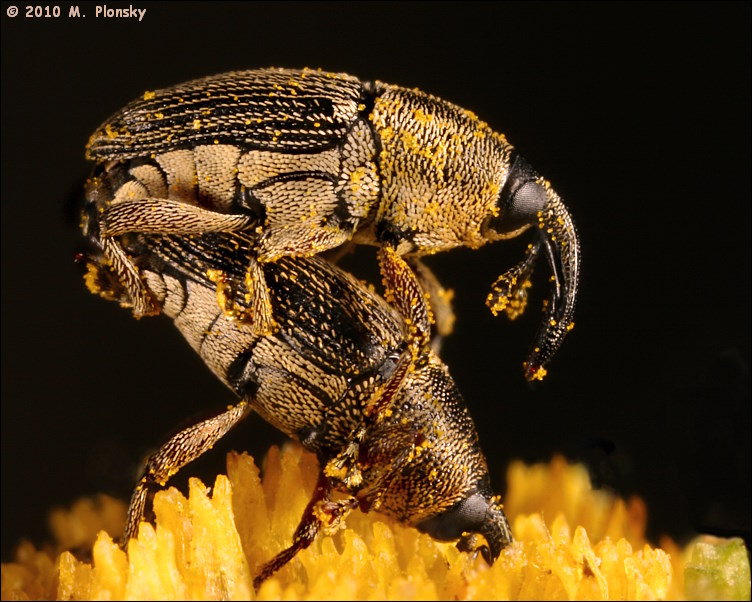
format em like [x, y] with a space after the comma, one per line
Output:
[537, 202]
[405, 294]
[389, 448]
[440, 301]
[509, 292]
[321, 513]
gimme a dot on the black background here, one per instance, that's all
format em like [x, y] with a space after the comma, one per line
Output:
[637, 113]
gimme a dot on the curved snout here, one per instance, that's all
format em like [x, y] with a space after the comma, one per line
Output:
[559, 238]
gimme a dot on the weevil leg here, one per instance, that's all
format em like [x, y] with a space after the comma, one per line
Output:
[305, 239]
[509, 292]
[345, 466]
[324, 514]
[258, 298]
[299, 240]
[183, 448]
[256, 309]
[227, 292]
[404, 445]
[321, 514]
[127, 273]
[165, 216]
[440, 301]
[404, 293]
[382, 398]
[440, 298]
[240, 283]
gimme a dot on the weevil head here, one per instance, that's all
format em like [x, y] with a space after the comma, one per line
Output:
[478, 514]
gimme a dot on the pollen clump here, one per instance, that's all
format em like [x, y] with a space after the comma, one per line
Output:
[571, 542]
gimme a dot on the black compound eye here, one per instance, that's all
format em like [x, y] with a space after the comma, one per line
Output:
[529, 199]
[467, 515]
[520, 200]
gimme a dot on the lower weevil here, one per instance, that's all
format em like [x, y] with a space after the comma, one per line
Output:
[350, 376]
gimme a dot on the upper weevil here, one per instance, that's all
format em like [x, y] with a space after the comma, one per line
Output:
[308, 160]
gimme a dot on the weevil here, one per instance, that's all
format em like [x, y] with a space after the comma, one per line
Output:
[309, 160]
[349, 375]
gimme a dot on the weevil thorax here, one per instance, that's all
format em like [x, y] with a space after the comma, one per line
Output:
[444, 487]
[442, 170]
[446, 465]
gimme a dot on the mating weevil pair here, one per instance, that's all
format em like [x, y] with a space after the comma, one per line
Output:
[207, 204]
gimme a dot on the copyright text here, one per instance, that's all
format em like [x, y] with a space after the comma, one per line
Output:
[102, 11]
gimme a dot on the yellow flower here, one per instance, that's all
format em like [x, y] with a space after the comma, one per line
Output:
[571, 542]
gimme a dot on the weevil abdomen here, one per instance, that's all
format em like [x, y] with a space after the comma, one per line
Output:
[301, 203]
[333, 346]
